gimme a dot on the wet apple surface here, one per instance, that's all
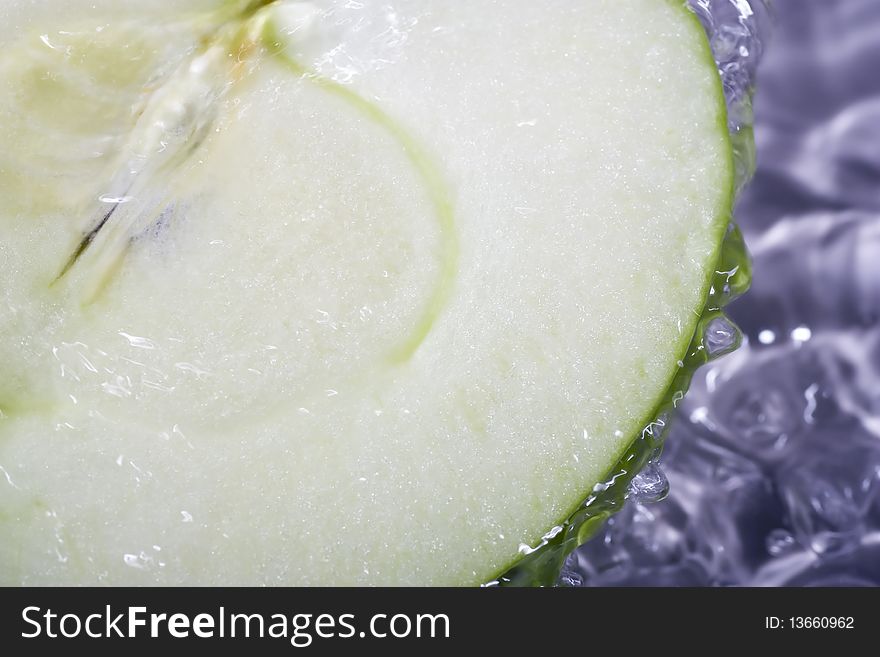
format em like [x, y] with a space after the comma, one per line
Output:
[338, 293]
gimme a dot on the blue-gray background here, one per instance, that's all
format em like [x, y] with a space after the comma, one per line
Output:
[774, 460]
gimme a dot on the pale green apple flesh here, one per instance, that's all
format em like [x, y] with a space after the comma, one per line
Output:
[396, 290]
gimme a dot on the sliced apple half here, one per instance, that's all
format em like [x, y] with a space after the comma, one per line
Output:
[389, 291]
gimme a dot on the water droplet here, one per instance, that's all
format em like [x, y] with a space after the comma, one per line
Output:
[721, 337]
[140, 561]
[649, 485]
[570, 578]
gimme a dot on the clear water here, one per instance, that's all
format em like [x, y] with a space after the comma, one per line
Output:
[771, 472]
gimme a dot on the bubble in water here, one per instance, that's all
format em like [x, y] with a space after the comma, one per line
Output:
[780, 542]
[764, 417]
[827, 505]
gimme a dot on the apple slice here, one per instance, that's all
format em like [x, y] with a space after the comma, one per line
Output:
[416, 290]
